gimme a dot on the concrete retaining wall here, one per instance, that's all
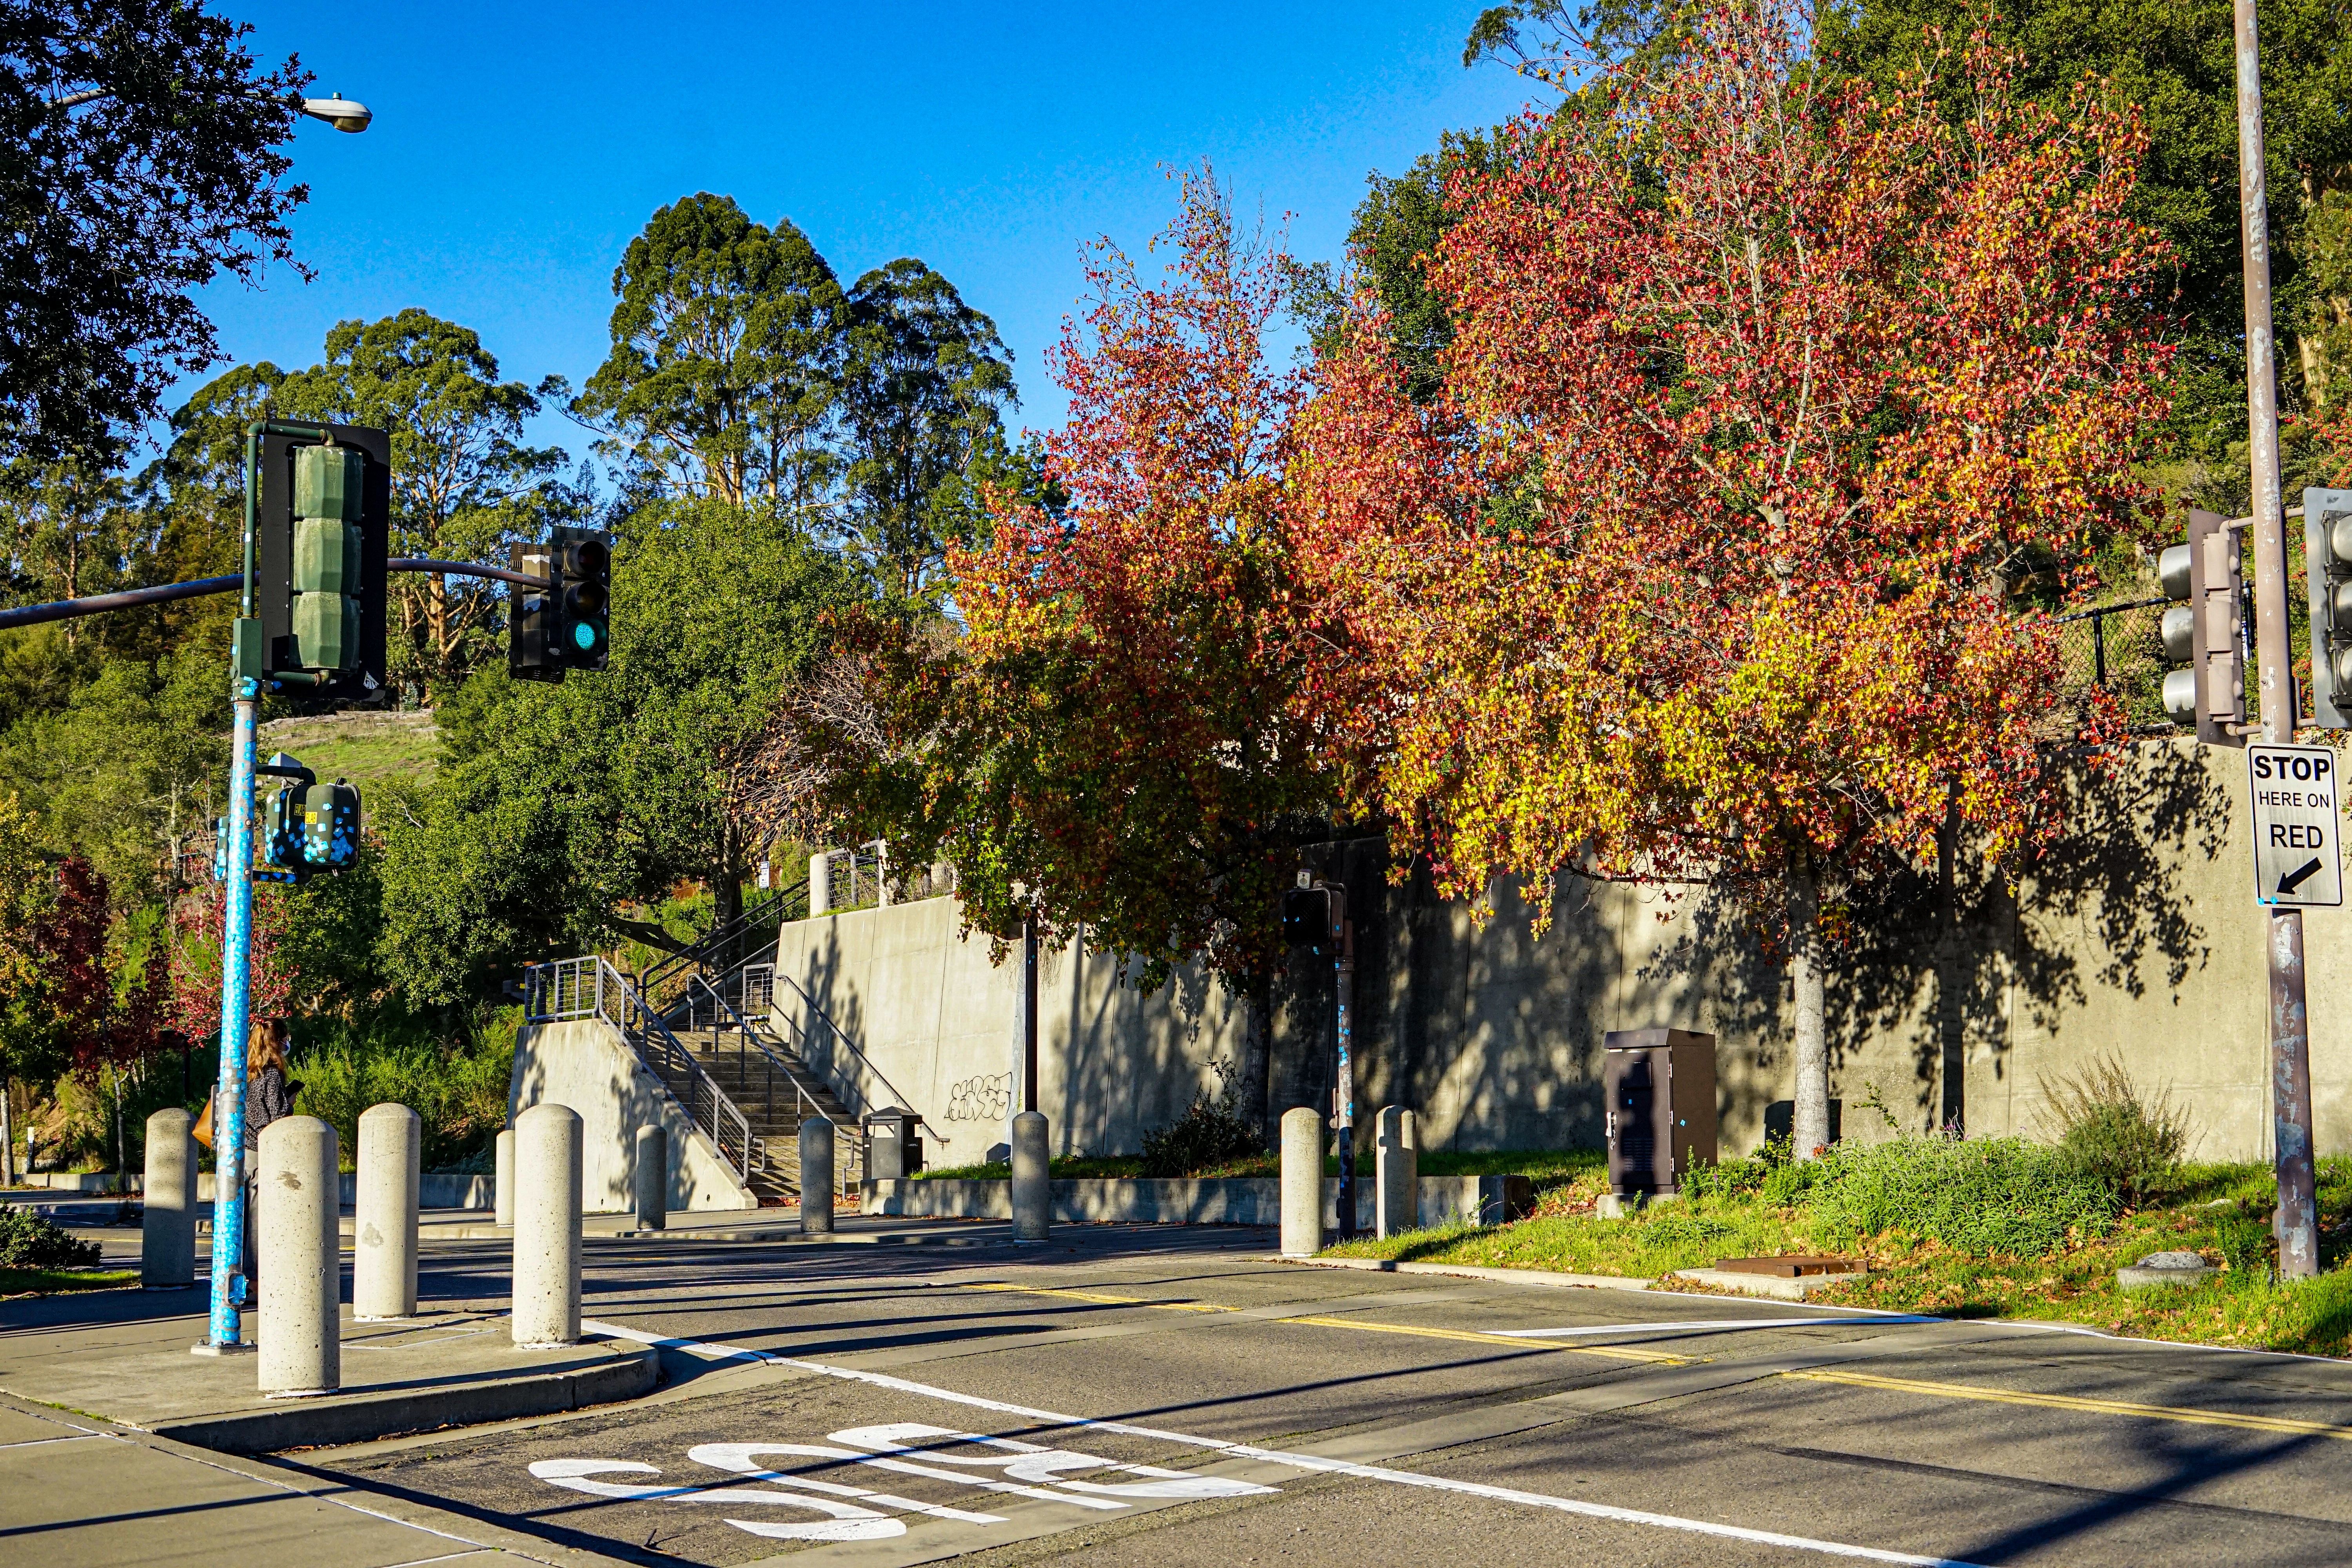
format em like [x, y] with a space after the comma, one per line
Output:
[933, 1017]
[585, 1063]
[1443, 1200]
[2136, 935]
[435, 1190]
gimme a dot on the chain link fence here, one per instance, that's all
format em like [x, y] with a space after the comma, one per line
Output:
[2119, 648]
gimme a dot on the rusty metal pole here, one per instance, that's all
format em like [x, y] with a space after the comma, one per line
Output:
[2296, 1221]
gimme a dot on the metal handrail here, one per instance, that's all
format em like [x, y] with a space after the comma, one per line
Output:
[836, 1032]
[769, 910]
[579, 988]
[747, 1041]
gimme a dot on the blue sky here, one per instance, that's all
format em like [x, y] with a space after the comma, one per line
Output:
[516, 148]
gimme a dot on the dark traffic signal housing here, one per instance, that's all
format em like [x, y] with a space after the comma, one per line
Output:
[322, 516]
[2205, 631]
[568, 624]
[2327, 581]
[531, 616]
[583, 571]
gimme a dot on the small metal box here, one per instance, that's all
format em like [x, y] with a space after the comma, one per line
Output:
[1660, 1085]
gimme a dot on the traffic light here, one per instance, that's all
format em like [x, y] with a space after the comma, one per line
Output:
[2327, 578]
[323, 532]
[532, 654]
[2205, 631]
[306, 827]
[1307, 920]
[584, 569]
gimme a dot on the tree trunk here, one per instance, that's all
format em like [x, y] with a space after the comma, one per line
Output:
[1810, 1128]
[1950, 978]
[7, 1135]
[1254, 1088]
[727, 886]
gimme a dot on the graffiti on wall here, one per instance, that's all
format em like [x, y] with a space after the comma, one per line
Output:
[982, 1099]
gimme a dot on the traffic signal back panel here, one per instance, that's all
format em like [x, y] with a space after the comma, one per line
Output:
[323, 535]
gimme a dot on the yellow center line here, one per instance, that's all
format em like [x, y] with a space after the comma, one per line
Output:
[1613, 1353]
[2080, 1402]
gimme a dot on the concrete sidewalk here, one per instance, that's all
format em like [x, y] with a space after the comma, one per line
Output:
[123, 1356]
[77, 1490]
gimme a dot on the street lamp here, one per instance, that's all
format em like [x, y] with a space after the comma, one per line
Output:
[343, 113]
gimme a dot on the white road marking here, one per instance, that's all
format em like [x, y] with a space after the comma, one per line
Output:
[1296, 1461]
[1712, 1323]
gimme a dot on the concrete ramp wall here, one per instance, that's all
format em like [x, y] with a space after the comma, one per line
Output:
[583, 1063]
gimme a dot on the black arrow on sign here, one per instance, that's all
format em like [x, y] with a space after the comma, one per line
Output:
[2298, 876]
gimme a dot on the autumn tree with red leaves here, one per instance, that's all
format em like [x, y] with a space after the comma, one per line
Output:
[1117, 742]
[1762, 388]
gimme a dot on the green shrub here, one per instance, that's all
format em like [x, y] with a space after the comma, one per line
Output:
[1987, 1195]
[1726, 1179]
[29, 1240]
[2120, 1134]
[460, 1096]
[1786, 1183]
[1209, 1134]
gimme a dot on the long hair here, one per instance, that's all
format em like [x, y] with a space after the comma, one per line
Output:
[265, 1047]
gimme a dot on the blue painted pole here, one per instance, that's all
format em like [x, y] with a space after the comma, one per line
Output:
[236, 966]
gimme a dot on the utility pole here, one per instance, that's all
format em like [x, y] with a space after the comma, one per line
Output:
[2296, 1221]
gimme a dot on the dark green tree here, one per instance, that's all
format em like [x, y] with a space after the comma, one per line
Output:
[137, 161]
[556, 807]
[923, 398]
[2174, 59]
[726, 357]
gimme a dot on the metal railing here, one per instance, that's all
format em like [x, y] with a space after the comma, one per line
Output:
[592, 988]
[814, 1041]
[727, 945]
[707, 1011]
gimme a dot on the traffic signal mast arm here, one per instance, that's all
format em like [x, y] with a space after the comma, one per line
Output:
[133, 598]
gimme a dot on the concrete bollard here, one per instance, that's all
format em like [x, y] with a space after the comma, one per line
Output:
[1302, 1183]
[1398, 1151]
[649, 1182]
[547, 1227]
[817, 1176]
[384, 1228]
[301, 1259]
[167, 1231]
[1032, 1184]
[502, 1193]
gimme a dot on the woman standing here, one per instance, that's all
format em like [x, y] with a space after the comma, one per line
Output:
[267, 1096]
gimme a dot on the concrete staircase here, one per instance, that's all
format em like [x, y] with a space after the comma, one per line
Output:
[776, 1092]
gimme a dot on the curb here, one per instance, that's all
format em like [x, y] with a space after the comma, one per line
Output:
[1466, 1271]
[1793, 1289]
[629, 1373]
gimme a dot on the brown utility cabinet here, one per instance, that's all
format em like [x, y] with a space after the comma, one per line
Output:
[1660, 1085]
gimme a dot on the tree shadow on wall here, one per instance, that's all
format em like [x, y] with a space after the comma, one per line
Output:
[2105, 906]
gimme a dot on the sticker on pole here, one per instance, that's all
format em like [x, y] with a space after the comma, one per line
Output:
[2296, 861]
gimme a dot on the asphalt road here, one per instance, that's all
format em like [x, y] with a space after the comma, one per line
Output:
[1174, 1397]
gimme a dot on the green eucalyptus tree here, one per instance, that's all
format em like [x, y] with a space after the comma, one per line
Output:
[923, 402]
[726, 356]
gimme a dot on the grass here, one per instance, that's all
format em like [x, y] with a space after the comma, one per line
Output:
[2221, 1211]
[48, 1281]
[1547, 1168]
[364, 748]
